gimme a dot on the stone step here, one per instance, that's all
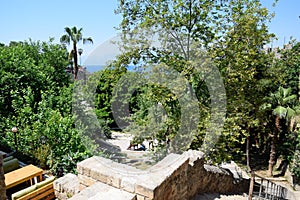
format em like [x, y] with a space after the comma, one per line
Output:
[101, 191]
[168, 162]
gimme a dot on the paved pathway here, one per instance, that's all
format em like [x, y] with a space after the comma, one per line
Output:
[121, 139]
[138, 159]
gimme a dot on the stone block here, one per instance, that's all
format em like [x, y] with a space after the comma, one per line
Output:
[114, 180]
[66, 186]
[128, 184]
[99, 176]
[144, 191]
[139, 197]
[85, 180]
[67, 183]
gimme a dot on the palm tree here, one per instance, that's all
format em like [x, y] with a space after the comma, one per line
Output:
[281, 103]
[2, 180]
[74, 35]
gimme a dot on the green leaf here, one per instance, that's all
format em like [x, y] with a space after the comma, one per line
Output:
[280, 111]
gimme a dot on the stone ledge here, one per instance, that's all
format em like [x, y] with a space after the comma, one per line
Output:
[172, 166]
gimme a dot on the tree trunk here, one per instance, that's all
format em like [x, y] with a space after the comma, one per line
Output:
[272, 159]
[2, 181]
[248, 153]
[75, 60]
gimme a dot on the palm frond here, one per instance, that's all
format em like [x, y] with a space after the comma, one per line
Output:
[87, 40]
[297, 109]
[78, 36]
[74, 30]
[280, 111]
[290, 113]
[289, 99]
[65, 39]
[286, 91]
[68, 31]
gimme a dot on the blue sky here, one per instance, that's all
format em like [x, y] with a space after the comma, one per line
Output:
[41, 19]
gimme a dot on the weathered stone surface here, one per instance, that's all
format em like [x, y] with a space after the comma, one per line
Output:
[144, 191]
[174, 187]
[128, 183]
[105, 170]
[139, 197]
[83, 167]
[66, 186]
[170, 162]
[194, 156]
[86, 180]
[101, 191]
[163, 179]
[211, 179]
[234, 169]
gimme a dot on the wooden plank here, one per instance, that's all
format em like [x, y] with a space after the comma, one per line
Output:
[43, 194]
[39, 193]
[22, 175]
[50, 197]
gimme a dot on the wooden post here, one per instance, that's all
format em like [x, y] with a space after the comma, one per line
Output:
[251, 185]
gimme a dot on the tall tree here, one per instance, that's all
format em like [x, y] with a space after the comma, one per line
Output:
[281, 104]
[2, 181]
[231, 32]
[74, 35]
[290, 62]
[243, 64]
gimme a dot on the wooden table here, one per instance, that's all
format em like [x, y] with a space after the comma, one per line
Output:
[22, 175]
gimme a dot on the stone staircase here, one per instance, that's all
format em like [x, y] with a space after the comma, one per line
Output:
[176, 177]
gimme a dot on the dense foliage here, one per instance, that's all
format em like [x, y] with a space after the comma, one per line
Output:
[233, 35]
[36, 97]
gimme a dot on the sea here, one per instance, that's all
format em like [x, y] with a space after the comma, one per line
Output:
[95, 68]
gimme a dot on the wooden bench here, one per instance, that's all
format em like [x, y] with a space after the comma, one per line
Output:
[43, 190]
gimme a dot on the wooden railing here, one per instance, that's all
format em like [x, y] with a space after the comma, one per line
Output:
[262, 188]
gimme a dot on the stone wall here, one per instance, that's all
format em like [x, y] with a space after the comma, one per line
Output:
[210, 179]
[179, 177]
